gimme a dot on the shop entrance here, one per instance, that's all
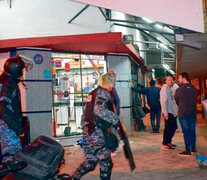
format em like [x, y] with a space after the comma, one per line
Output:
[74, 76]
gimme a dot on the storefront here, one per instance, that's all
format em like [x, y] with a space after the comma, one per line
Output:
[58, 84]
[73, 78]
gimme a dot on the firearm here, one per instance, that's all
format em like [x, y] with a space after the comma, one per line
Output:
[126, 147]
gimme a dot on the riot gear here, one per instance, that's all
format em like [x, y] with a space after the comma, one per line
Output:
[14, 67]
[10, 108]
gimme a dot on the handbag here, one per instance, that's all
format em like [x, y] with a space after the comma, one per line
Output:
[145, 109]
[112, 141]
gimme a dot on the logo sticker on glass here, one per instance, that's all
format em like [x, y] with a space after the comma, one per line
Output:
[38, 59]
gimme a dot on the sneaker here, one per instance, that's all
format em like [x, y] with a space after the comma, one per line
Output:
[166, 147]
[173, 145]
[64, 176]
[194, 151]
[184, 153]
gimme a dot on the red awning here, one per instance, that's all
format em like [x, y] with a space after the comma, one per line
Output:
[101, 43]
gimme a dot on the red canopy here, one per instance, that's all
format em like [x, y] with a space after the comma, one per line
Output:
[101, 43]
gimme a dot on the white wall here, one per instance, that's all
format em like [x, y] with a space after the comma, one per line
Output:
[32, 18]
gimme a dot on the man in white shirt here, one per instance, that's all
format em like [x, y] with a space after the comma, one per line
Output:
[169, 110]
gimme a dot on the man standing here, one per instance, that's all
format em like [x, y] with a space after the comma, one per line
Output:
[185, 97]
[138, 113]
[169, 111]
[153, 99]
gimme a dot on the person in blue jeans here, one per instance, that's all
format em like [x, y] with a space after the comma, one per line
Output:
[169, 110]
[138, 113]
[153, 99]
[185, 97]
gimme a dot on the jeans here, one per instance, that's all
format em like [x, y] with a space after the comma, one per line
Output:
[169, 131]
[155, 113]
[139, 123]
[188, 125]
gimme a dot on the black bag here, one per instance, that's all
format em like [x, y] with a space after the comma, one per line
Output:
[112, 141]
[43, 156]
[145, 109]
[88, 114]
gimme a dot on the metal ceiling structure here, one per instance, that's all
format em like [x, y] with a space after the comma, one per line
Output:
[153, 33]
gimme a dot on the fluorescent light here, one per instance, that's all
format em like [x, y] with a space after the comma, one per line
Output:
[168, 29]
[147, 20]
[153, 73]
[166, 66]
[163, 46]
[171, 71]
[159, 26]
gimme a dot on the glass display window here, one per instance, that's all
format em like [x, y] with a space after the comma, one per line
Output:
[74, 77]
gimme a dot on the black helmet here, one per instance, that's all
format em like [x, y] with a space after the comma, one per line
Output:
[14, 66]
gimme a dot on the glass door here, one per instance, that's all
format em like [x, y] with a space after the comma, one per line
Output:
[74, 77]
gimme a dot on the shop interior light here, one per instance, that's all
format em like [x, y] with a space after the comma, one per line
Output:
[147, 20]
[159, 26]
[166, 66]
[153, 73]
[169, 30]
[163, 46]
[171, 71]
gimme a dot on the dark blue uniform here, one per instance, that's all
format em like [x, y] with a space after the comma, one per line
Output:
[10, 117]
[94, 144]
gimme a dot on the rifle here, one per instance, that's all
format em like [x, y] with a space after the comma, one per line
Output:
[126, 147]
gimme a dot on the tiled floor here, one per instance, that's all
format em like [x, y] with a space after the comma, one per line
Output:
[152, 163]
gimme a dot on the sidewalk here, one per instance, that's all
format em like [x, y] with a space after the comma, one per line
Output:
[152, 163]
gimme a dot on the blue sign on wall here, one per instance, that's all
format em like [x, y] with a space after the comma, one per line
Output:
[38, 59]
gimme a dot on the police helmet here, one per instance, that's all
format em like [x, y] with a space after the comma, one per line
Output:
[14, 66]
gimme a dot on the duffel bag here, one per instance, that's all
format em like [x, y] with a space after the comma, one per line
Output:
[43, 156]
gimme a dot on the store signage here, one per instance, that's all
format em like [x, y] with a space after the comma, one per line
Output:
[68, 64]
[78, 56]
[67, 67]
[47, 74]
[38, 59]
[58, 63]
[60, 94]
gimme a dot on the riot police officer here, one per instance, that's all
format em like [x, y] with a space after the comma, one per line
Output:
[96, 140]
[10, 108]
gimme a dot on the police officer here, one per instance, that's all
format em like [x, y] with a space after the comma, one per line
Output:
[95, 143]
[10, 108]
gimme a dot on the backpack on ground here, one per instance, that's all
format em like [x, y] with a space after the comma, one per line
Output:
[43, 156]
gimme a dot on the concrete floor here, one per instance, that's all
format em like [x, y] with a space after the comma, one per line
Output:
[152, 163]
